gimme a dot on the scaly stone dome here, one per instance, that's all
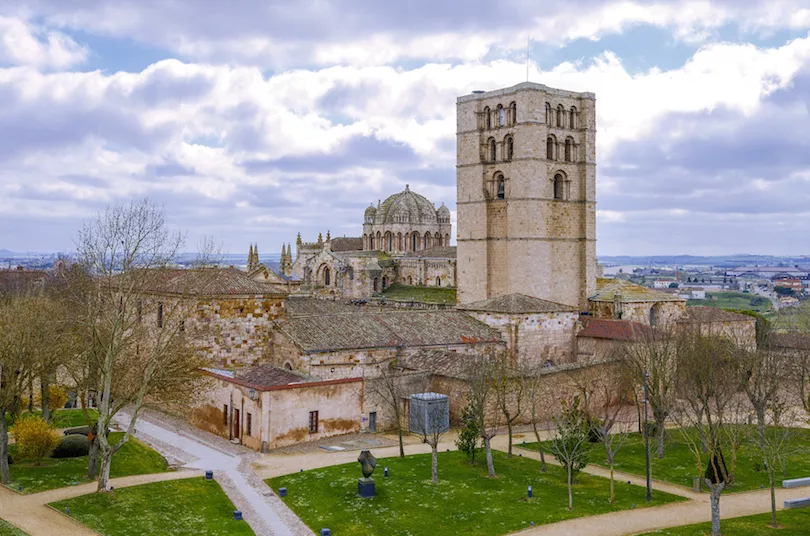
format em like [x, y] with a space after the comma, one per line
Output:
[406, 207]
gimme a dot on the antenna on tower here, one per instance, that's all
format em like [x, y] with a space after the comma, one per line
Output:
[527, 58]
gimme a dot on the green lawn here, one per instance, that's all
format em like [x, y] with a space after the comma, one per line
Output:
[421, 294]
[678, 465]
[64, 418]
[794, 522]
[465, 501]
[190, 506]
[7, 529]
[134, 458]
[735, 300]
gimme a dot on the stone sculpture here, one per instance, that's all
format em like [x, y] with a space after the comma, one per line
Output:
[368, 462]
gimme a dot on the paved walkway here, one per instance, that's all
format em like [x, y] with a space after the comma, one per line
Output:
[263, 511]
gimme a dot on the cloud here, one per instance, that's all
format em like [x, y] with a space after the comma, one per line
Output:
[22, 43]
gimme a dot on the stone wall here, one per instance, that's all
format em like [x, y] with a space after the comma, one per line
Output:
[426, 272]
[535, 338]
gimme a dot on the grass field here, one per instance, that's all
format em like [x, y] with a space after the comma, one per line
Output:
[134, 458]
[735, 300]
[7, 529]
[64, 418]
[190, 506]
[466, 501]
[421, 294]
[678, 465]
[794, 523]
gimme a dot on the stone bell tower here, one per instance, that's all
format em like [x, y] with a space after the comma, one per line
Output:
[526, 194]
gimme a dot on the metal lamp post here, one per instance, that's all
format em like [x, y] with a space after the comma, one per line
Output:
[647, 441]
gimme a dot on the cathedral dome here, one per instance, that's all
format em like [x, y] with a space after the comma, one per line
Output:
[406, 207]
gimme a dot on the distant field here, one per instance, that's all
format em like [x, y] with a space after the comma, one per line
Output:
[735, 300]
[421, 294]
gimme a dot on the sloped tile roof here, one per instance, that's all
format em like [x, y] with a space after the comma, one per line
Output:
[206, 282]
[347, 244]
[15, 281]
[606, 289]
[439, 252]
[702, 314]
[306, 306]
[517, 304]
[617, 330]
[320, 333]
[440, 362]
[269, 376]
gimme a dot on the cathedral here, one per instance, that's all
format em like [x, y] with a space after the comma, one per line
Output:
[406, 241]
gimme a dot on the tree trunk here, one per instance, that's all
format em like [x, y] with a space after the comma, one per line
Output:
[434, 468]
[509, 431]
[716, 490]
[659, 432]
[30, 394]
[4, 475]
[92, 458]
[46, 398]
[540, 448]
[104, 473]
[401, 446]
[612, 487]
[570, 493]
[771, 481]
[488, 449]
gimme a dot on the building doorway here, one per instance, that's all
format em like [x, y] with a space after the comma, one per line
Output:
[237, 425]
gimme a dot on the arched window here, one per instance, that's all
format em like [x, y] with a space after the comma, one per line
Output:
[501, 116]
[371, 242]
[438, 281]
[569, 150]
[550, 146]
[559, 186]
[655, 314]
[413, 241]
[287, 366]
[437, 239]
[512, 113]
[389, 240]
[427, 240]
[572, 117]
[510, 148]
[410, 280]
[327, 280]
[548, 115]
[384, 282]
[399, 241]
[378, 241]
[499, 186]
[560, 115]
[447, 240]
[488, 118]
[492, 155]
[375, 284]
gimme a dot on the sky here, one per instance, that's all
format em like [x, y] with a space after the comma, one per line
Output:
[253, 120]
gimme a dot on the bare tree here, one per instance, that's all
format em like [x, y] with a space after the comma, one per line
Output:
[537, 400]
[707, 383]
[127, 251]
[508, 391]
[606, 424]
[15, 365]
[431, 425]
[654, 352]
[390, 389]
[480, 394]
[570, 442]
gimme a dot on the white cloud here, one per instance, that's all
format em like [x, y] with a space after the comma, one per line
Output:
[22, 43]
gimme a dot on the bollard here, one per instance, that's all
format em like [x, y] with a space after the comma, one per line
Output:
[326, 532]
[67, 511]
[385, 472]
[237, 515]
[301, 471]
[282, 492]
[209, 475]
[530, 492]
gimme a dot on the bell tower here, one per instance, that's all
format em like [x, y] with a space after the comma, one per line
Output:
[526, 194]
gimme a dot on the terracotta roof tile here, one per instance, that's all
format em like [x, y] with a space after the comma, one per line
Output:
[207, 282]
[440, 362]
[517, 304]
[791, 340]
